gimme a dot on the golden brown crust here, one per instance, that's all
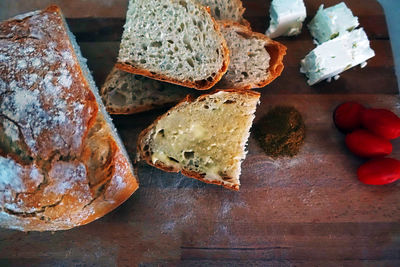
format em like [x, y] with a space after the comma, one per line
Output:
[246, 23]
[86, 176]
[199, 85]
[144, 155]
[275, 49]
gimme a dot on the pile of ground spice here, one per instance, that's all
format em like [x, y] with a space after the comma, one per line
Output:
[281, 132]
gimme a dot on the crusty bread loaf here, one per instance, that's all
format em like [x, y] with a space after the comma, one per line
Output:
[62, 163]
[255, 59]
[176, 41]
[226, 10]
[203, 138]
[127, 93]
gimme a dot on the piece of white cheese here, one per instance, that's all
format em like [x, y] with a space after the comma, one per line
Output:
[287, 18]
[331, 22]
[335, 56]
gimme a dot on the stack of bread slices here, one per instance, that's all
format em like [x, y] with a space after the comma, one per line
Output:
[171, 48]
[62, 163]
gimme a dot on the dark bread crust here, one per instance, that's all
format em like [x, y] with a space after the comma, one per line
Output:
[86, 177]
[199, 85]
[275, 49]
[145, 153]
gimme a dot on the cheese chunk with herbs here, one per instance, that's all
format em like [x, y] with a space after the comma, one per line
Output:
[335, 56]
[331, 22]
[287, 18]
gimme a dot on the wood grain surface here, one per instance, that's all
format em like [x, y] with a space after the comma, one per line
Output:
[304, 211]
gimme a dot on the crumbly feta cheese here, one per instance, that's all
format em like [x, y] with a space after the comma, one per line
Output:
[287, 18]
[335, 56]
[331, 22]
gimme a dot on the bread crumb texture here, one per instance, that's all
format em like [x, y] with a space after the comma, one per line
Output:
[249, 58]
[52, 169]
[172, 38]
[225, 9]
[204, 139]
[126, 93]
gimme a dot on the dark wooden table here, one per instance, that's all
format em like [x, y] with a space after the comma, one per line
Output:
[304, 211]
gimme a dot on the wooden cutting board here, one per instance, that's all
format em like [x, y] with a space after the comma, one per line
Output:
[304, 211]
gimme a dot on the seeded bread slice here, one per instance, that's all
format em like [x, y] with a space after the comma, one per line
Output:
[203, 138]
[176, 41]
[255, 59]
[127, 93]
[226, 10]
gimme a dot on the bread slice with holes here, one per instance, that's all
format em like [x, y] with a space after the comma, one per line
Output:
[226, 10]
[176, 41]
[255, 59]
[203, 138]
[62, 163]
[127, 93]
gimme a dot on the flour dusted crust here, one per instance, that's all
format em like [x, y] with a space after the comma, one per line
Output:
[275, 50]
[61, 163]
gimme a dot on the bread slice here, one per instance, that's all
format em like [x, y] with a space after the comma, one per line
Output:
[203, 138]
[226, 10]
[255, 59]
[176, 41]
[127, 93]
[62, 163]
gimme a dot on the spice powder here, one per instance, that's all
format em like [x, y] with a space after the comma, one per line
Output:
[281, 132]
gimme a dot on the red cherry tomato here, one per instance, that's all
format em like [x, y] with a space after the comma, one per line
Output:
[381, 122]
[347, 116]
[379, 171]
[368, 145]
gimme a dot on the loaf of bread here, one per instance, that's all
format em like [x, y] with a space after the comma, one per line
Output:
[255, 59]
[176, 41]
[226, 10]
[127, 93]
[203, 138]
[62, 163]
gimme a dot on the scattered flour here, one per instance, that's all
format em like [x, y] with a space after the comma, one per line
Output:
[11, 130]
[10, 177]
[64, 176]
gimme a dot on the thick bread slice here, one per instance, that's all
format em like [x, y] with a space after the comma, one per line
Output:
[226, 10]
[62, 163]
[176, 41]
[203, 138]
[127, 93]
[255, 59]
